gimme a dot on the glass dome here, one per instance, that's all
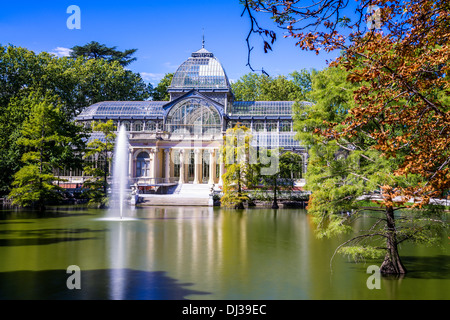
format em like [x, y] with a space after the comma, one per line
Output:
[201, 71]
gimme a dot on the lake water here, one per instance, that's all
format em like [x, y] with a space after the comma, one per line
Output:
[197, 253]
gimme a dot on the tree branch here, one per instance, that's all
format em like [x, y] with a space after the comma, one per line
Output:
[364, 236]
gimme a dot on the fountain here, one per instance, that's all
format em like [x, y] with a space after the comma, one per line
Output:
[120, 183]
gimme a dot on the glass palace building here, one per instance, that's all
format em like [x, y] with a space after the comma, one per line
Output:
[178, 141]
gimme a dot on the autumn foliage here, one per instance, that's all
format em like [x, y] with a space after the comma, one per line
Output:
[398, 52]
[381, 117]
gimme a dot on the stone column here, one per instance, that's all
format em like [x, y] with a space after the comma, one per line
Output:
[197, 163]
[167, 164]
[222, 171]
[182, 154]
[212, 166]
[130, 164]
[155, 164]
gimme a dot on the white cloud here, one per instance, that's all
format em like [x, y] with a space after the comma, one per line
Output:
[152, 77]
[61, 52]
[171, 66]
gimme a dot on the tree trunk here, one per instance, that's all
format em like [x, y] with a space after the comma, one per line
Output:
[41, 200]
[392, 263]
[41, 162]
[240, 204]
[275, 201]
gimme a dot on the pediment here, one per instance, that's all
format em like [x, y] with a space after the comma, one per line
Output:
[197, 95]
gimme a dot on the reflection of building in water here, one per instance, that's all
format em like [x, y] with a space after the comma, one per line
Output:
[179, 140]
[218, 251]
[187, 243]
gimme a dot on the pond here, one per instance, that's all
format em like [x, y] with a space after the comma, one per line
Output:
[202, 253]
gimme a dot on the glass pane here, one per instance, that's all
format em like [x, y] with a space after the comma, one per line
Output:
[193, 116]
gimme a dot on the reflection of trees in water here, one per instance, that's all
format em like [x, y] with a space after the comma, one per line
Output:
[95, 284]
[44, 236]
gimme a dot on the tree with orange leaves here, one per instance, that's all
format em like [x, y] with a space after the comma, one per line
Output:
[397, 54]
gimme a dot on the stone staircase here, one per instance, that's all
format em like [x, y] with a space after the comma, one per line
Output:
[183, 195]
[202, 190]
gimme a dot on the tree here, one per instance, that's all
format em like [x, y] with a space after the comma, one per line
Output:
[160, 93]
[282, 177]
[254, 87]
[98, 158]
[47, 137]
[78, 83]
[240, 174]
[397, 55]
[81, 83]
[398, 50]
[95, 50]
[345, 172]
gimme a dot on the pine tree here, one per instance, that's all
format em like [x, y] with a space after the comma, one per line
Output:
[48, 139]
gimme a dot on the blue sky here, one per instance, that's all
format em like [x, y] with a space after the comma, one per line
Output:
[164, 32]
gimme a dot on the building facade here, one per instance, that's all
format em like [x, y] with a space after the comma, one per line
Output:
[178, 141]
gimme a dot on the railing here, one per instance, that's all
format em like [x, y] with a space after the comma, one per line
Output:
[142, 135]
[73, 179]
[138, 181]
[153, 181]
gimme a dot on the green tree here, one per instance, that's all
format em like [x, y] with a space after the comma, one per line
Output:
[95, 50]
[240, 174]
[398, 119]
[280, 177]
[344, 172]
[78, 83]
[81, 83]
[98, 171]
[255, 87]
[160, 93]
[46, 137]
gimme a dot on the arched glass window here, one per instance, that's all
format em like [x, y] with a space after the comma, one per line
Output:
[271, 126]
[258, 126]
[191, 165]
[205, 165]
[193, 116]
[285, 126]
[143, 165]
[176, 163]
[138, 126]
[150, 126]
[127, 125]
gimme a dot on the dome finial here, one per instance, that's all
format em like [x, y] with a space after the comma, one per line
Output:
[203, 40]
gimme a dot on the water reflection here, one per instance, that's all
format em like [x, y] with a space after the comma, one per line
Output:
[197, 253]
[95, 285]
[226, 252]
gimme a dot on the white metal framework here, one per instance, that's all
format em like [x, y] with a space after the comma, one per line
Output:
[193, 116]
